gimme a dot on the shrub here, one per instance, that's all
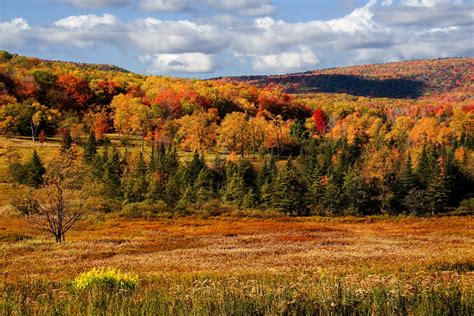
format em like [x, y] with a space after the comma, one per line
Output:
[103, 204]
[108, 278]
[146, 210]
[466, 207]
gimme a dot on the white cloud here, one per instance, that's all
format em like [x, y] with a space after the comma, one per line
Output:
[302, 58]
[246, 7]
[14, 33]
[183, 63]
[86, 21]
[164, 5]
[14, 25]
[376, 32]
[155, 36]
[97, 3]
[426, 3]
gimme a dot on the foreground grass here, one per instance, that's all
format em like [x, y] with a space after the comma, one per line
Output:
[243, 266]
[434, 294]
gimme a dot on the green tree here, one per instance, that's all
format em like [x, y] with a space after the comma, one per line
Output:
[438, 190]
[289, 191]
[135, 182]
[36, 170]
[90, 149]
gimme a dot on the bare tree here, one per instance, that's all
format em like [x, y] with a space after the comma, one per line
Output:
[58, 203]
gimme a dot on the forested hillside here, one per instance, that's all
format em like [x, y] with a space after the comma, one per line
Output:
[410, 79]
[394, 138]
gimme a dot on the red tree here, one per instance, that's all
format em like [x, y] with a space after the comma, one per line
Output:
[76, 91]
[319, 121]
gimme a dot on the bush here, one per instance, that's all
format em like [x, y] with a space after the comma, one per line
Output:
[466, 207]
[146, 210]
[108, 278]
[103, 205]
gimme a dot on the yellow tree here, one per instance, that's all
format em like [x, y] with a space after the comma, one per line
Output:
[197, 131]
[233, 133]
[257, 127]
[131, 115]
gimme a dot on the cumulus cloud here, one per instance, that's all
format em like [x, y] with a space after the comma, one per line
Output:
[97, 3]
[182, 63]
[299, 59]
[14, 33]
[14, 25]
[164, 5]
[378, 31]
[425, 13]
[155, 36]
[87, 21]
[246, 7]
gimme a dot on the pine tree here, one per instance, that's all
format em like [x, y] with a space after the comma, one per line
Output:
[354, 191]
[90, 149]
[332, 197]
[175, 187]
[235, 189]
[66, 141]
[36, 170]
[407, 180]
[197, 164]
[316, 191]
[113, 171]
[289, 191]
[250, 200]
[203, 187]
[423, 169]
[438, 190]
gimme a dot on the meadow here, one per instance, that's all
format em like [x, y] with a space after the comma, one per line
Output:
[231, 265]
[237, 263]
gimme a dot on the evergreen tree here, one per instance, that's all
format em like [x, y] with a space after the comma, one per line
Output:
[354, 190]
[423, 169]
[316, 192]
[438, 191]
[194, 168]
[268, 172]
[289, 191]
[332, 197]
[36, 170]
[407, 180]
[266, 195]
[175, 187]
[203, 187]
[299, 132]
[66, 140]
[135, 182]
[235, 189]
[113, 172]
[90, 149]
[250, 200]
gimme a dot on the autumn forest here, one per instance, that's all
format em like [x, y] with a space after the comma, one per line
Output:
[319, 159]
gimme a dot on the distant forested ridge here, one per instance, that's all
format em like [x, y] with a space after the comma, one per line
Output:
[409, 79]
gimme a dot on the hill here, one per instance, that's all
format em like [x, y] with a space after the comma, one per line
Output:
[407, 79]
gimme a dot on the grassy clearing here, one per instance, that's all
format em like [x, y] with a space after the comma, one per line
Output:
[274, 295]
[228, 265]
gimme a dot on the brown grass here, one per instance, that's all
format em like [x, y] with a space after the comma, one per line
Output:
[239, 246]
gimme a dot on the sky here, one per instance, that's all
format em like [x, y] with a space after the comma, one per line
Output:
[211, 38]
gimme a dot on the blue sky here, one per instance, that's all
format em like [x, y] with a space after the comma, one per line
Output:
[208, 38]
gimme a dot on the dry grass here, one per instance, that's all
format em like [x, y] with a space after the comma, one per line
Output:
[238, 246]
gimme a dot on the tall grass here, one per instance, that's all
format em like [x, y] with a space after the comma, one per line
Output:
[244, 295]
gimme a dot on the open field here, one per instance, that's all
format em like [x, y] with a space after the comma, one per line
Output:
[192, 264]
